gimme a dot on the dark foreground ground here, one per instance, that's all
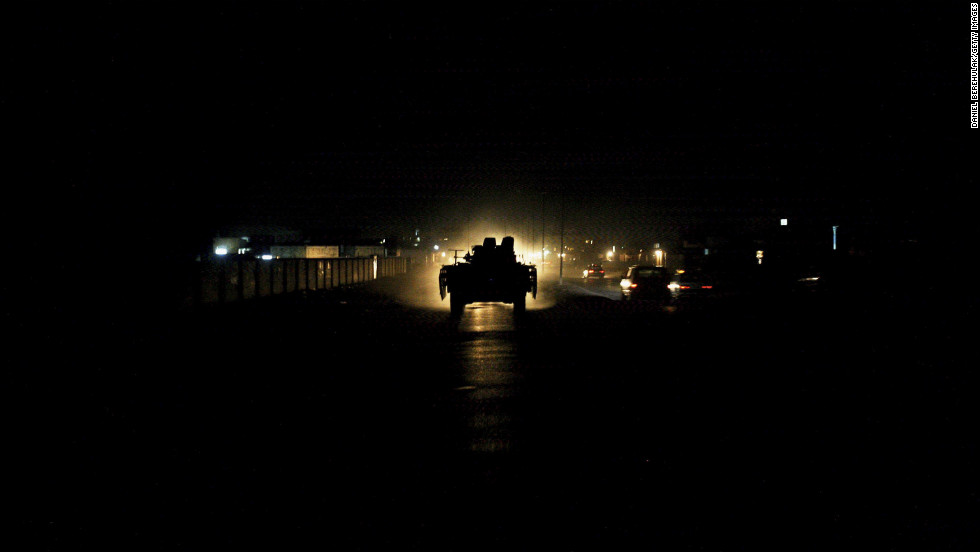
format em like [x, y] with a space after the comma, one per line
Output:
[350, 420]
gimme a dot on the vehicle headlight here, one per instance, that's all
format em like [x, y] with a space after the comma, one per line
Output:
[624, 283]
[673, 286]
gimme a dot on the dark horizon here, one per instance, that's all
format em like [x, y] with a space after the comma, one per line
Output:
[158, 123]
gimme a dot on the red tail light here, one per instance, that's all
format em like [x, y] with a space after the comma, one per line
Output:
[705, 287]
[632, 285]
[591, 271]
[685, 287]
[602, 272]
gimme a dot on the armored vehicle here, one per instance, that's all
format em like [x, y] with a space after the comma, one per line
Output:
[489, 273]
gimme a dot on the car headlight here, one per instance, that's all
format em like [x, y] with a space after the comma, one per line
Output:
[624, 283]
[673, 286]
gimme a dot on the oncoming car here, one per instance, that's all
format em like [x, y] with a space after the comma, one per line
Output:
[594, 271]
[645, 282]
[687, 283]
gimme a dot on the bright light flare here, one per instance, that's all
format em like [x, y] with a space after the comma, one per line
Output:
[658, 256]
[220, 250]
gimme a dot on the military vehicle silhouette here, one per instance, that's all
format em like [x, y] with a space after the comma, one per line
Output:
[489, 273]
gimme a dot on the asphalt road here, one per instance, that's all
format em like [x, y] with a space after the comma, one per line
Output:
[369, 418]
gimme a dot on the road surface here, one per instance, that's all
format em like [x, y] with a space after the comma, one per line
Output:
[370, 418]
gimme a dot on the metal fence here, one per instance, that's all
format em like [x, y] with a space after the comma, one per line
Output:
[230, 279]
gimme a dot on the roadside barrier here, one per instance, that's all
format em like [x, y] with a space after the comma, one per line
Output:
[232, 279]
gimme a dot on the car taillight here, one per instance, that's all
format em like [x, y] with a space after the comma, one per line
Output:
[685, 287]
[602, 272]
[632, 285]
[705, 287]
[591, 271]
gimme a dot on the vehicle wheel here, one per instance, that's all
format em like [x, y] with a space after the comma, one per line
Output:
[456, 304]
[520, 303]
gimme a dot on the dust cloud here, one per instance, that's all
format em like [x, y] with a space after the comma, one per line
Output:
[420, 289]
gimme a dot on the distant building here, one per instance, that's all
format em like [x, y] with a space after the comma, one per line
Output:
[364, 251]
[312, 251]
[222, 246]
[305, 251]
[276, 241]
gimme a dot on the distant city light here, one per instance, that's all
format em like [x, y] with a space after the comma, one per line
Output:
[835, 238]
[758, 255]
[783, 222]
[267, 257]
[435, 247]
[220, 250]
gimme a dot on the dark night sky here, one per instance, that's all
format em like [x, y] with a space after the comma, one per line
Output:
[168, 120]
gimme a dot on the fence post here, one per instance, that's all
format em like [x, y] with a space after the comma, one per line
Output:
[301, 269]
[273, 268]
[240, 287]
[285, 276]
[199, 283]
[222, 281]
[256, 268]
